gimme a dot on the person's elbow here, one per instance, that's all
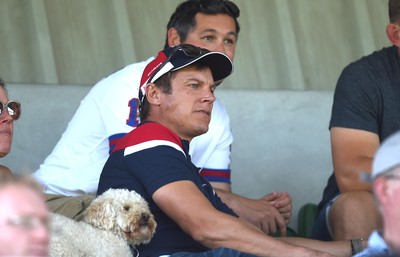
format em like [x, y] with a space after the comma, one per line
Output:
[206, 232]
[351, 181]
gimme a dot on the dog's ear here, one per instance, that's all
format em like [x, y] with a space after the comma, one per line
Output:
[101, 214]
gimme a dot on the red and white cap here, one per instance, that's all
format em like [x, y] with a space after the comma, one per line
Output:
[178, 57]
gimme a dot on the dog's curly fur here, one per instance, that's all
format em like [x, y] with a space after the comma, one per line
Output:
[115, 220]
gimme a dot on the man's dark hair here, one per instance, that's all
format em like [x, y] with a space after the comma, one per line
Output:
[394, 11]
[164, 82]
[183, 19]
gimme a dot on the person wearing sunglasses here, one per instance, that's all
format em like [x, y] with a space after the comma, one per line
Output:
[24, 216]
[176, 97]
[110, 111]
[9, 112]
[24, 219]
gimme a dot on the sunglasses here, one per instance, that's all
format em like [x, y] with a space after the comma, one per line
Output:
[188, 50]
[13, 109]
[27, 222]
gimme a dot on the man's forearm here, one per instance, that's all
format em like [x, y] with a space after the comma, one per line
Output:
[338, 248]
[221, 185]
[229, 199]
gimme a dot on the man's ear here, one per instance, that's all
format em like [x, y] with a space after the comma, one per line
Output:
[393, 33]
[153, 94]
[173, 37]
[381, 189]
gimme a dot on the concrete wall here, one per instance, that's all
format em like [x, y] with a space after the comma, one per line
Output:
[281, 143]
[281, 138]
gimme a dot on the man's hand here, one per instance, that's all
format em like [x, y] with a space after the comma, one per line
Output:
[282, 202]
[261, 213]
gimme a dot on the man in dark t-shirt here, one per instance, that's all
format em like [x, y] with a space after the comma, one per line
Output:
[366, 110]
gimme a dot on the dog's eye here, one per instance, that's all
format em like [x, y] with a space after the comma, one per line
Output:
[126, 208]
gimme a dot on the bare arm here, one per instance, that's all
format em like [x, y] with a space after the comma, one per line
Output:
[263, 213]
[282, 201]
[352, 153]
[187, 206]
[337, 248]
[221, 185]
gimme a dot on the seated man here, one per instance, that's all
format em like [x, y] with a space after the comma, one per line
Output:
[366, 110]
[176, 97]
[71, 172]
[24, 219]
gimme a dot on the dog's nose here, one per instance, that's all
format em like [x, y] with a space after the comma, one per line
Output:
[144, 219]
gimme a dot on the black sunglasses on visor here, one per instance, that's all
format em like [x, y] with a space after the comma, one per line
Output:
[188, 50]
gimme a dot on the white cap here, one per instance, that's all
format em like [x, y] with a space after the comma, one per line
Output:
[388, 155]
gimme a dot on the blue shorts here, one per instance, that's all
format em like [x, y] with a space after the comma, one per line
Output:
[218, 252]
[322, 229]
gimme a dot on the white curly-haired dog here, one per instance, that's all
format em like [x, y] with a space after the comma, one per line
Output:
[114, 221]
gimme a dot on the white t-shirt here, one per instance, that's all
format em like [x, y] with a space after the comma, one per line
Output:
[74, 166]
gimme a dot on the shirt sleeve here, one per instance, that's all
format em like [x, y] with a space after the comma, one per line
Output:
[169, 166]
[119, 107]
[356, 100]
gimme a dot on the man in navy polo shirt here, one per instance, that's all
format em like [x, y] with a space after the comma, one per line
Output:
[176, 97]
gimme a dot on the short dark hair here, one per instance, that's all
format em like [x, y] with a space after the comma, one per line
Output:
[164, 82]
[183, 19]
[394, 11]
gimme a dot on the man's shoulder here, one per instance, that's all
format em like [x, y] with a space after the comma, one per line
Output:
[154, 131]
[371, 72]
[374, 60]
[149, 134]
